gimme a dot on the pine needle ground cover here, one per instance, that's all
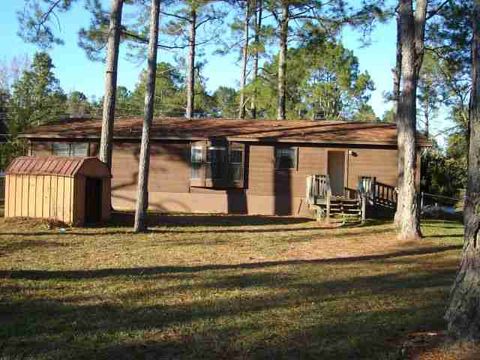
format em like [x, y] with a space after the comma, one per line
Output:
[221, 287]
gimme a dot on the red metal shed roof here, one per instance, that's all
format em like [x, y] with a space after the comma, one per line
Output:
[301, 131]
[50, 165]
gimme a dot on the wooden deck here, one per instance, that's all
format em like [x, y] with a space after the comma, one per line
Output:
[353, 203]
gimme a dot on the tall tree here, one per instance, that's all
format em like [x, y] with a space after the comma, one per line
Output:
[412, 35]
[397, 71]
[463, 314]
[324, 81]
[191, 16]
[78, 105]
[169, 92]
[282, 61]
[189, 112]
[258, 13]
[144, 161]
[397, 74]
[429, 98]
[243, 77]
[225, 102]
[36, 96]
[111, 68]
[304, 18]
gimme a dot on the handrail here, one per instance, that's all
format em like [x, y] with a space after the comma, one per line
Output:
[385, 192]
[351, 193]
[377, 192]
[318, 186]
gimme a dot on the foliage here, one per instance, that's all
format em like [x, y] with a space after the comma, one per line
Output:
[389, 116]
[323, 81]
[169, 98]
[38, 21]
[429, 90]
[36, 96]
[445, 81]
[78, 105]
[442, 174]
[365, 113]
[226, 102]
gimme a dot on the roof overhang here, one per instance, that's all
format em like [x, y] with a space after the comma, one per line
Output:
[41, 137]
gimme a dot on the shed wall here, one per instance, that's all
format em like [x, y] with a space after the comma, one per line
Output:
[39, 196]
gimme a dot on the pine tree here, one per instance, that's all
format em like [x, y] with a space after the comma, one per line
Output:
[412, 35]
[37, 97]
[245, 55]
[111, 69]
[304, 18]
[187, 20]
[463, 314]
[144, 162]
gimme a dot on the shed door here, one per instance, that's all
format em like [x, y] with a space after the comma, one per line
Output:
[336, 171]
[93, 200]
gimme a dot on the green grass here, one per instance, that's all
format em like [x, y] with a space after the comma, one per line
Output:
[220, 287]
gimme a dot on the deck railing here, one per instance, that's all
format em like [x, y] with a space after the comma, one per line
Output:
[377, 193]
[369, 192]
[318, 186]
[385, 195]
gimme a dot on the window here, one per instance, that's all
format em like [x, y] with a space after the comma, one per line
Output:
[217, 165]
[236, 164]
[196, 161]
[216, 162]
[61, 149]
[79, 149]
[70, 149]
[285, 158]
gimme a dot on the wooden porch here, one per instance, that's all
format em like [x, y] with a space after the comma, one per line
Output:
[369, 194]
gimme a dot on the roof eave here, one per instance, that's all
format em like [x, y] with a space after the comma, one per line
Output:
[230, 138]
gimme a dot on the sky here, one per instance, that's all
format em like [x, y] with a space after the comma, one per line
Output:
[76, 72]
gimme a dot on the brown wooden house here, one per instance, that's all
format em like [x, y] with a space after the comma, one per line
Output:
[239, 166]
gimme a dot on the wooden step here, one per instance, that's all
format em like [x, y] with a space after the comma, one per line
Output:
[339, 207]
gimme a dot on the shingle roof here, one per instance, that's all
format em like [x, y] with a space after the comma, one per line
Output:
[49, 165]
[329, 132]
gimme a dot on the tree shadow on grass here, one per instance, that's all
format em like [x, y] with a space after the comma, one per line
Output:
[444, 236]
[19, 245]
[291, 312]
[177, 220]
[147, 271]
[228, 225]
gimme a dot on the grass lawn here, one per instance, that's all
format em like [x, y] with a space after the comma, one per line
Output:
[221, 287]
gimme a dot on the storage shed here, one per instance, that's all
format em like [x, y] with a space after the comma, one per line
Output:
[74, 190]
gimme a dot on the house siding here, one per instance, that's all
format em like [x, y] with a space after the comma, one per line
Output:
[267, 191]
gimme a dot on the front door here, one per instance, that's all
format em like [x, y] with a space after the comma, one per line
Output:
[336, 171]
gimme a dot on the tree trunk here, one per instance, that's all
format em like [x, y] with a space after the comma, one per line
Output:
[243, 78]
[282, 64]
[426, 118]
[258, 27]
[144, 161]
[397, 71]
[191, 64]
[463, 313]
[397, 78]
[412, 36]
[108, 116]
